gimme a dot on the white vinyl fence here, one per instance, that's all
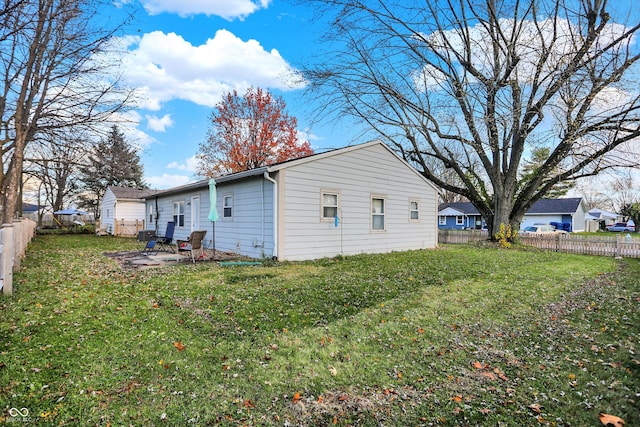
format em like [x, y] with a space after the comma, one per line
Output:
[14, 238]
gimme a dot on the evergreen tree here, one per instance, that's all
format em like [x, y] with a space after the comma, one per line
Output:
[113, 162]
[532, 166]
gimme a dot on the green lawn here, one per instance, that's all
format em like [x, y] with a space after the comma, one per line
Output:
[462, 335]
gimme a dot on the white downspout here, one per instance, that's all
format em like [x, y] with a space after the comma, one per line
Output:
[275, 213]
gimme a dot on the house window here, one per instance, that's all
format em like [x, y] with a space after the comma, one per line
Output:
[150, 214]
[178, 213]
[329, 205]
[442, 220]
[459, 220]
[414, 210]
[227, 206]
[377, 213]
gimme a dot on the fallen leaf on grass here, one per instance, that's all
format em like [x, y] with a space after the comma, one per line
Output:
[501, 374]
[611, 420]
[489, 375]
[296, 398]
[178, 345]
[535, 407]
[479, 365]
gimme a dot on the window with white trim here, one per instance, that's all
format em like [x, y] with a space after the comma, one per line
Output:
[414, 210]
[377, 213]
[178, 213]
[329, 205]
[442, 220]
[459, 220]
[227, 206]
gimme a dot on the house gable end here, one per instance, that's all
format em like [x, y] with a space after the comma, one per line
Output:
[450, 212]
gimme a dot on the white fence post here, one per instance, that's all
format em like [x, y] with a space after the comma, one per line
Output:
[14, 238]
[6, 259]
[17, 243]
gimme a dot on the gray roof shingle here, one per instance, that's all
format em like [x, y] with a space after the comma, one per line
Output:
[555, 206]
[567, 205]
[131, 193]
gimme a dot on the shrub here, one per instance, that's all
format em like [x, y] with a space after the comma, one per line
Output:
[505, 236]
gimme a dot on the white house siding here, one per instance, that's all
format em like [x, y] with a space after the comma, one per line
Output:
[107, 210]
[302, 233]
[243, 233]
[250, 229]
[164, 213]
[129, 210]
[579, 219]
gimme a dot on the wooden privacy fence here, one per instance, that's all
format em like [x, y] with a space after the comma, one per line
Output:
[14, 238]
[128, 228]
[462, 236]
[617, 245]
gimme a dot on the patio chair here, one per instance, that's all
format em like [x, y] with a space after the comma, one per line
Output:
[192, 244]
[166, 242]
[150, 248]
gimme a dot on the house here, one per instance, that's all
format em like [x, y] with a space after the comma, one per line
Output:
[566, 213]
[122, 211]
[598, 219]
[358, 199]
[459, 216]
[570, 212]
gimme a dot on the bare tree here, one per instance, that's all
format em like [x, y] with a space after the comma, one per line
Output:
[54, 77]
[55, 165]
[624, 192]
[474, 85]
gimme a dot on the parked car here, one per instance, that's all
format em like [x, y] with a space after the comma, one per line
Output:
[621, 227]
[541, 229]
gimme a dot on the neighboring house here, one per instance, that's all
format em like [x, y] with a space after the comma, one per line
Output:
[567, 213]
[459, 216]
[122, 205]
[597, 219]
[357, 199]
[570, 212]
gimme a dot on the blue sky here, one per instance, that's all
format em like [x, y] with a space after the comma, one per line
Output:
[183, 55]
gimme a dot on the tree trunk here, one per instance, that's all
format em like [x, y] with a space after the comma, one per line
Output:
[10, 189]
[502, 215]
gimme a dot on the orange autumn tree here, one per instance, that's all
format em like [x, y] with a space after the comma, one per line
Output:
[248, 132]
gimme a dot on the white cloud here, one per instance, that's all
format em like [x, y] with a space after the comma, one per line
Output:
[166, 66]
[167, 181]
[227, 9]
[189, 165]
[159, 124]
